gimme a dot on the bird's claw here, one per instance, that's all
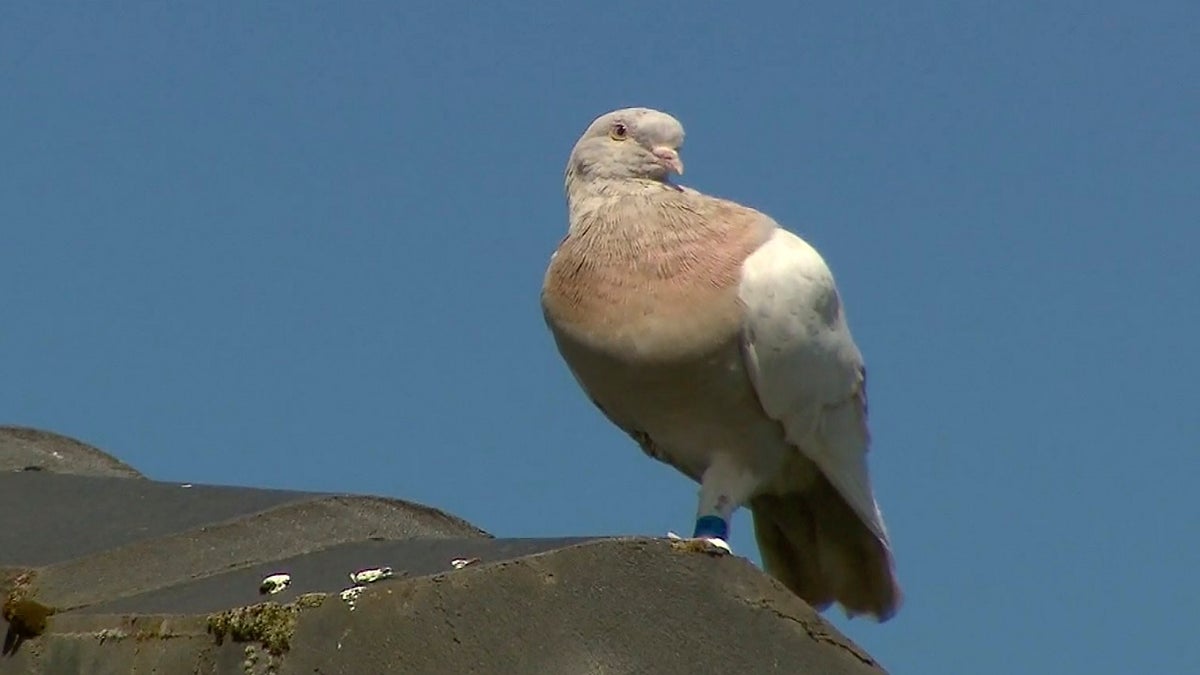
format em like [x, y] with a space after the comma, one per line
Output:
[709, 545]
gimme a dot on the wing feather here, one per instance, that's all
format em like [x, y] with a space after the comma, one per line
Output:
[805, 367]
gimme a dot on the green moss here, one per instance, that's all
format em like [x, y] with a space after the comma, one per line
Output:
[26, 617]
[20, 588]
[251, 659]
[144, 634]
[268, 623]
[309, 600]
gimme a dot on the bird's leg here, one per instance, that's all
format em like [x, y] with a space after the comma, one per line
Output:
[724, 486]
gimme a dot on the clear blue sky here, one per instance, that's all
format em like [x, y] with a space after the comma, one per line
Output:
[300, 245]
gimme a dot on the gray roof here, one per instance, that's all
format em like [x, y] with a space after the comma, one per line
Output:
[103, 571]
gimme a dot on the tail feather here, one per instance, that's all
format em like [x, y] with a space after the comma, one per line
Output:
[782, 560]
[818, 547]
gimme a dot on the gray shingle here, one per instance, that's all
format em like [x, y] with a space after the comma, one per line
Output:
[150, 576]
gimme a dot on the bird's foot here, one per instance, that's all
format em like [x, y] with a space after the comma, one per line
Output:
[709, 545]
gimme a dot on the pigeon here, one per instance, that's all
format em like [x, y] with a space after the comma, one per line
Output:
[717, 340]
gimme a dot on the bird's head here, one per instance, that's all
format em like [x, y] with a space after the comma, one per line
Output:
[631, 143]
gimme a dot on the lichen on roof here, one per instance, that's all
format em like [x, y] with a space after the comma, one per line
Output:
[268, 623]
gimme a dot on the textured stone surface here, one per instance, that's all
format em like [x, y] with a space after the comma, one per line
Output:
[26, 449]
[154, 577]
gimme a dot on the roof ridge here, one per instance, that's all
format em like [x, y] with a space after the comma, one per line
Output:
[218, 547]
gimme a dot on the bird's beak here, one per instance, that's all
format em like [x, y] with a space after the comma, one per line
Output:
[669, 158]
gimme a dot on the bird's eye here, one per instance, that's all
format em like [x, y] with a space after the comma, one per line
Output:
[618, 132]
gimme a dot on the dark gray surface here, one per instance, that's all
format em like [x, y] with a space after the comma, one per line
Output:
[291, 530]
[92, 514]
[608, 606]
[26, 449]
[137, 568]
[326, 571]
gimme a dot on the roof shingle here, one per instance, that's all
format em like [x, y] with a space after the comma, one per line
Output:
[149, 576]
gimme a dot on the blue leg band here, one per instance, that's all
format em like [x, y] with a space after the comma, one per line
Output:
[710, 527]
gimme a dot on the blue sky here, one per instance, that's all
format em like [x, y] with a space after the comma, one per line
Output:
[300, 245]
